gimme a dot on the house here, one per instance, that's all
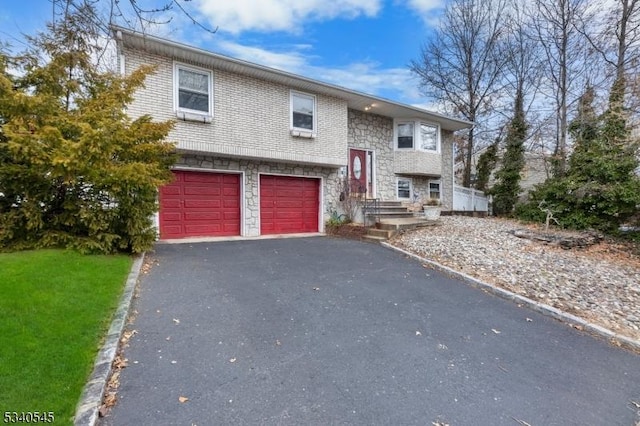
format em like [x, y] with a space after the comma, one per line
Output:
[263, 151]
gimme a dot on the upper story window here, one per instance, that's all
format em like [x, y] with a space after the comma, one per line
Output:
[428, 137]
[417, 135]
[193, 92]
[303, 113]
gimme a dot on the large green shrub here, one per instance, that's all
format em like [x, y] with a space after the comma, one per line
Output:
[75, 170]
[600, 189]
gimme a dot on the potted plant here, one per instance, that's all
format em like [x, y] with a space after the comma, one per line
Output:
[431, 208]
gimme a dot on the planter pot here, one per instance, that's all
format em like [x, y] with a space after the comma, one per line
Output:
[432, 212]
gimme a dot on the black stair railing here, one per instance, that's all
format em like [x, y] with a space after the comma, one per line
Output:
[370, 206]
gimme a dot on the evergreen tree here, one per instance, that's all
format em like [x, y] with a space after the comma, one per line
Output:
[486, 164]
[600, 189]
[75, 170]
[507, 188]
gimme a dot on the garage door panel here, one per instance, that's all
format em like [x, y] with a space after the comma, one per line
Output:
[171, 203]
[172, 216]
[288, 204]
[204, 216]
[170, 190]
[200, 204]
[290, 227]
[202, 190]
[198, 177]
[203, 204]
[203, 229]
[230, 191]
[289, 215]
[288, 194]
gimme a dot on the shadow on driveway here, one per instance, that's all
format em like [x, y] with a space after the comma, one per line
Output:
[321, 331]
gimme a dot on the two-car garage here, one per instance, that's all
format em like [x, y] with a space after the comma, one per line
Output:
[209, 204]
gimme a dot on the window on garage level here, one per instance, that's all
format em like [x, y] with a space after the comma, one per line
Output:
[404, 188]
[434, 190]
[303, 112]
[193, 91]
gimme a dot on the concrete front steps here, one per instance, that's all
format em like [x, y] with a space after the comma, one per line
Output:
[387, 228]
[391, 218]
[386, 210]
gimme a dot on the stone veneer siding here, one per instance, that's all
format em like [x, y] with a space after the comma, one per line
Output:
[375, 132]
[252, 170]
[251, 117]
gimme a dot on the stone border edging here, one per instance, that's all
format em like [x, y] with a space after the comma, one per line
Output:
[93, 392]
[532, 304]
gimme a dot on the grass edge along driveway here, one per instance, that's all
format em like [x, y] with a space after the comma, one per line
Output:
[55, 308]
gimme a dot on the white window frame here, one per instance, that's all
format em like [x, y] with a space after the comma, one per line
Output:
[410, 198]
[436, 182]
[301, 131]
[186, 113]
[419, 124]
[416, 135]
[396, 135]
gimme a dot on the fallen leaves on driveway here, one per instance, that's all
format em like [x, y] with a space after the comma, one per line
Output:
[126, 335]
[522, 422]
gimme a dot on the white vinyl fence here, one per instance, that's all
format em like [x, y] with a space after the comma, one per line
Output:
[469, 199]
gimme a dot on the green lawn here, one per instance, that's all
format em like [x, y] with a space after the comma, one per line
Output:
[55, 308]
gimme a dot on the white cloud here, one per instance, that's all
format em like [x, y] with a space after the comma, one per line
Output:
[292, 61]
[427, 10]
[370, 78]
[425, 6]
[236, 16]
[367, 77]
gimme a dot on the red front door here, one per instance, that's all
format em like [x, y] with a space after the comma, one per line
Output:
[358, 171]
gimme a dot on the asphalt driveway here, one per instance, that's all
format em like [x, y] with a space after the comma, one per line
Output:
[323, 331]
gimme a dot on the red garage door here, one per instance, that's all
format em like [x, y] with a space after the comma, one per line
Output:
[198, 204]
[288, 204]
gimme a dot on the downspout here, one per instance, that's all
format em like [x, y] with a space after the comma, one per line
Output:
[121, 63]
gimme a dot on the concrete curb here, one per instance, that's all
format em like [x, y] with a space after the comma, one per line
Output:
[93, 392]
[531, 304]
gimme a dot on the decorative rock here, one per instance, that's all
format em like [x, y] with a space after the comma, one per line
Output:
[600, 283]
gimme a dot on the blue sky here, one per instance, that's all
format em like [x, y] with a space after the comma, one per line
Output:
[365, 45]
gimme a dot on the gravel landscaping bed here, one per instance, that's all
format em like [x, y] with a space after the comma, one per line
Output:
[599, 283]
